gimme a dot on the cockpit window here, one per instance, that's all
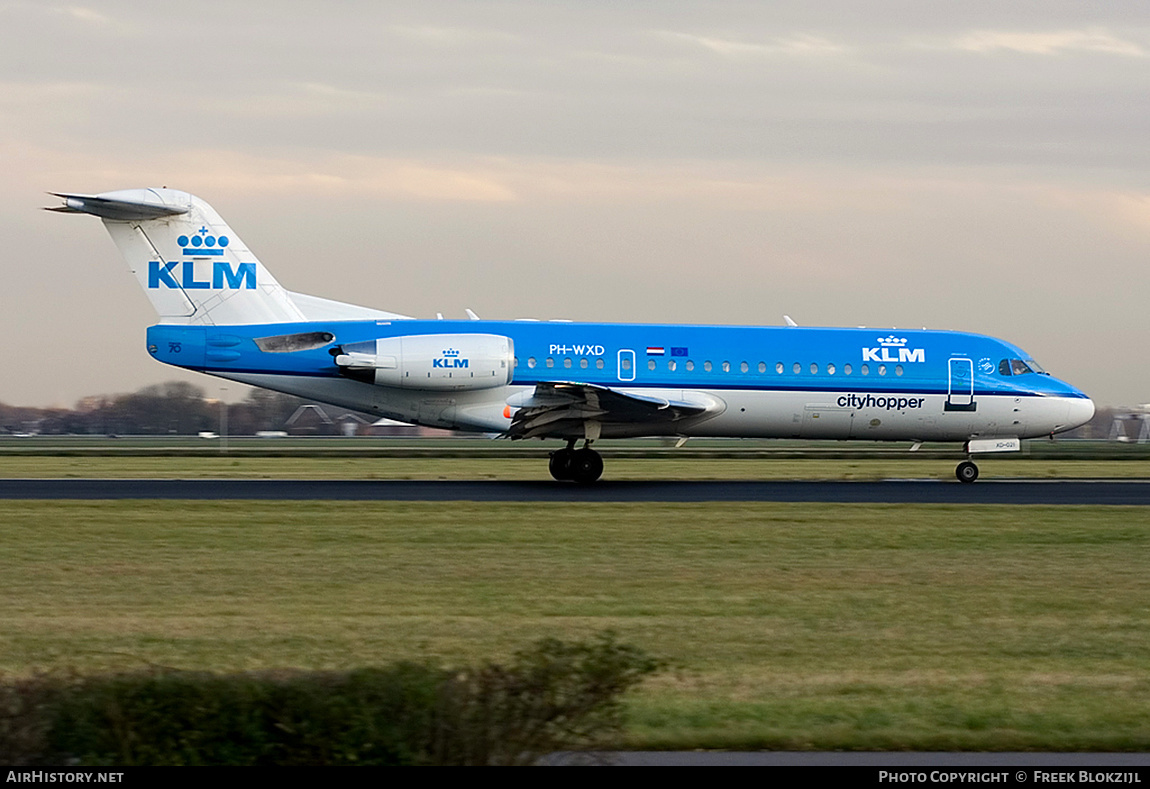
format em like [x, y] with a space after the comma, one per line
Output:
[1019, 367]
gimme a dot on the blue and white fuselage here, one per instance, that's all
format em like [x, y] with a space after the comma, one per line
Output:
[223, 313]
[785, 382]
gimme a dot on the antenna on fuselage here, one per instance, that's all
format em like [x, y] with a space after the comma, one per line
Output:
[471, 315]
[788, 320]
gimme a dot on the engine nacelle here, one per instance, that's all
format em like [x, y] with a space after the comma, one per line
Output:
[431, 361]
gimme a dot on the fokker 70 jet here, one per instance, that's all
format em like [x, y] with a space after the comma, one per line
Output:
[222, 313]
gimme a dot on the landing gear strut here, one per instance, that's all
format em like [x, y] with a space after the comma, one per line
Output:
[577, 465]
[966, 472]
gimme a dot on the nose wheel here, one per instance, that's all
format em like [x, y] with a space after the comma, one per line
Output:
[966, 472]
[583, 466]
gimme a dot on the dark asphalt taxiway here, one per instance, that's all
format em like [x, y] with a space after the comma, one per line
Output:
[888, 491]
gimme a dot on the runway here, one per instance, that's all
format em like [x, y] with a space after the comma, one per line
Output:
[1015, 492]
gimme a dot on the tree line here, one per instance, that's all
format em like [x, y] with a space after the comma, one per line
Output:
[172, 408]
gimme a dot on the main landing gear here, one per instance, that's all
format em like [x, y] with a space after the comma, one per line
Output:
[577, 465]
[966, 472]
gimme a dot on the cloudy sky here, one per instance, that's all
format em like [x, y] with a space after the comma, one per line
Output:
[980, 166]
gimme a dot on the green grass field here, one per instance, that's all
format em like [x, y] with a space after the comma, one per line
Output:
[515, 467]
[785, 625]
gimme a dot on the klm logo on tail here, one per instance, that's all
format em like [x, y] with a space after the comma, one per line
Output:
[182, 274]
[224, 277]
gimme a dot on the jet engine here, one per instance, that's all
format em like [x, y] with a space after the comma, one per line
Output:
[430, 361]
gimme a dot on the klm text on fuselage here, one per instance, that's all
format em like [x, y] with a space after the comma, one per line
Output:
[884, 355]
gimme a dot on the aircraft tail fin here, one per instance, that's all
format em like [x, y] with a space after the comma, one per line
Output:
[192, 266]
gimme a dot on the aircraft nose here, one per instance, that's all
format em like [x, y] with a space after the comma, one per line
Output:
[1079, 411]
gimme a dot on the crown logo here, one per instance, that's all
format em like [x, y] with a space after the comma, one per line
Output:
[892, 341]
[202, 243]
[451, 353]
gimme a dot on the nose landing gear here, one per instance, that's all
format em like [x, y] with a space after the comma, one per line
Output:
[966, 472]
[583, 466]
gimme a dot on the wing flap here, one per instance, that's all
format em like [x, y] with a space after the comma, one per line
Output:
[562, 409]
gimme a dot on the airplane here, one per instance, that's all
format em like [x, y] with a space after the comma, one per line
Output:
[222, 313]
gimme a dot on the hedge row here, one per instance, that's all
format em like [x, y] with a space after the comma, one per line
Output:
[553, 696]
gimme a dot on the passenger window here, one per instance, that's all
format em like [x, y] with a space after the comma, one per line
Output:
[846, 369]
[882, 369]
[898, 369]
[762, 367]
[814, 368]
[779, 368]
[598, 364]
[550, 362]
[690, 365]
[726, 367]
[744, 367]
[671, 365]
[626, 363]
[531, 361]
[865, 369]
[515, 363]
[797, 368]
[583, 363]
[650, 364]
[707, 366]
[567, 362]
[831, 369]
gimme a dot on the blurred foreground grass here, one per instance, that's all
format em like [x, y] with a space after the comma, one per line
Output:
[786, 625]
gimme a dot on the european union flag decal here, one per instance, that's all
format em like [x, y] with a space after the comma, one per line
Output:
[678, 351]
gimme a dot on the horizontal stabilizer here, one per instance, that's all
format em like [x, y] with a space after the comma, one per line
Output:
[117, 209]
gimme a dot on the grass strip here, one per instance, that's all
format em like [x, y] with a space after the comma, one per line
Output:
[786, 625]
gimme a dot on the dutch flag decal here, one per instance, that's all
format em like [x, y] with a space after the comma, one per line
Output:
[654, 350]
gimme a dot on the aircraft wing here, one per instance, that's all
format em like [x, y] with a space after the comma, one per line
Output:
[562, 409]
